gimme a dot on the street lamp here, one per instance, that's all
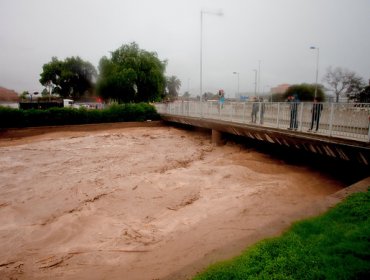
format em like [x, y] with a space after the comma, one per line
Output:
[219, 13]
[259, 76]
[317, 66]
[237, 73]
[266, 92]
[255, 82]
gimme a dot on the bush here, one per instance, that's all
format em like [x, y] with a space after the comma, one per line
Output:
[65, 116]
[10, 117]
[305, 92]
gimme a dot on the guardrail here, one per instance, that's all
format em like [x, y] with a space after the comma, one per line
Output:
[343, 120]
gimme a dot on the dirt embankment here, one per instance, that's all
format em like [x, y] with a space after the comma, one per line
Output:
[140, 202]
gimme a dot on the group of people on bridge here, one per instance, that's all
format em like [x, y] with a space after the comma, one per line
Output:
[259, 106]
[315, 111]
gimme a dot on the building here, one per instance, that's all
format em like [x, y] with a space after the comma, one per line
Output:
[280, 89]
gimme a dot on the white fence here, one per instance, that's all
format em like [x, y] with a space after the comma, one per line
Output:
[344, 120]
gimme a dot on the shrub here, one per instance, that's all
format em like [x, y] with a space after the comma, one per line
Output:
[10, 117]
[63, 116]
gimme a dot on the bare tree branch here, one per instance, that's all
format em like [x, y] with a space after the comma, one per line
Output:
[342, 81]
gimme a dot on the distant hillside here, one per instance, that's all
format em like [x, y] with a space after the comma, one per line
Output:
[8, 95]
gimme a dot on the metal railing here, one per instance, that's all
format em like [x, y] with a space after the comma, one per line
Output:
[344, 120]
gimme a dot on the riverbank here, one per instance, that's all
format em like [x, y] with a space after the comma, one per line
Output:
[330, 246]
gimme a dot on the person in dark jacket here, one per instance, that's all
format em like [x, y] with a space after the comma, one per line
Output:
[294, 102]
[316, 113]
[255, 109]
[263, 108]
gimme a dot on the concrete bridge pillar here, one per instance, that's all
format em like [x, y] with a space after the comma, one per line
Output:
[217, 137]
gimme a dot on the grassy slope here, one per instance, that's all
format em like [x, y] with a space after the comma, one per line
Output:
[335, 245]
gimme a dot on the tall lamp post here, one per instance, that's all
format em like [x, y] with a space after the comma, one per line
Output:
[268, 86]
[317, 66]
[237, 73]
[255, 82]
[259, 76]
[219, 13]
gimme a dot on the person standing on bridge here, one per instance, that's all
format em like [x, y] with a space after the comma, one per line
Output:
[293, 112]
[262, 109]
[316, 113]
[221, 99]
[255, 108]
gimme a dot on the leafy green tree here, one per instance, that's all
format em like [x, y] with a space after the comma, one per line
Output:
[277, 97]
[305, 92]
[131, 75]
[173, 85]
[70, 78]
[44, 92]
[342, 81]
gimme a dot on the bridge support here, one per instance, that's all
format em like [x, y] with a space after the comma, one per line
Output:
[217, 137]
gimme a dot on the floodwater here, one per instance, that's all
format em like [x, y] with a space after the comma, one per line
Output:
[142, 202]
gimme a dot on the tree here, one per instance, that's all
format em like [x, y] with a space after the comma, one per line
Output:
[361, 95]
[70, 78]
[131, 75]
[210, 96]
[305, 92]
[173, 85]
[45, 92]
[342, 81]
[364, 95]
[186, 95]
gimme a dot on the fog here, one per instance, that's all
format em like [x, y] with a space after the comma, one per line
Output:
[267, 35]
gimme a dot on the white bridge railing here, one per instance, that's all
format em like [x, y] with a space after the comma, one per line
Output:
[343, 120]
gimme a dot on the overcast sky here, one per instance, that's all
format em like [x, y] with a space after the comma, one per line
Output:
[271, 35]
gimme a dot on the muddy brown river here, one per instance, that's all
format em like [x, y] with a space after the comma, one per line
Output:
[126, 202]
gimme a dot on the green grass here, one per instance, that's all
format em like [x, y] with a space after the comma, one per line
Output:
[335, 245]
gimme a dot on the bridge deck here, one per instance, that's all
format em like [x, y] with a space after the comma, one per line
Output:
[347, 121]
[343, 134]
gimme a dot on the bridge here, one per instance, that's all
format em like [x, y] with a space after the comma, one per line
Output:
[343, 132]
